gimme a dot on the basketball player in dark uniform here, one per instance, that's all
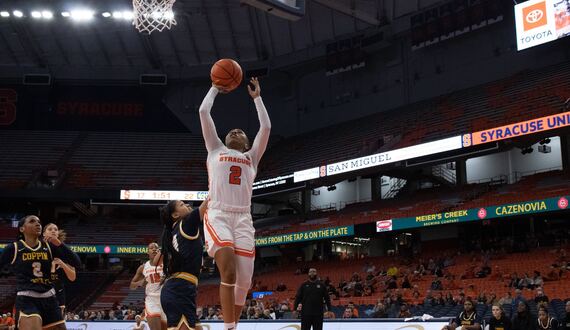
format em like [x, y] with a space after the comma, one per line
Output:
[60, 271]
[467, 319]
[31, 259]
[181, 255]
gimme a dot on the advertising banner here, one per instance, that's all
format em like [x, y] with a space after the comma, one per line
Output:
[541, 21]
[304, 236]
[517, 129]
[103, 249]
[490, 212]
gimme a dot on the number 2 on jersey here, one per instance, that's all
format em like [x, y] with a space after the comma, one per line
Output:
[37, 269]
[235, 175]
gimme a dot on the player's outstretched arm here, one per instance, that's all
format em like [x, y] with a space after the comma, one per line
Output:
[138, 279]
[262, 137]
[208, 128]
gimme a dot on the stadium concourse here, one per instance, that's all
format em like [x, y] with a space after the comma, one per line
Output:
[418, 158]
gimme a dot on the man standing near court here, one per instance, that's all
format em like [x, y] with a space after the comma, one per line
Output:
[312, 295]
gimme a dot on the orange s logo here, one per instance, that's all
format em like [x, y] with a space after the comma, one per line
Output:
[534, 16]
[323, 171]
[8, 98]
[466, 140]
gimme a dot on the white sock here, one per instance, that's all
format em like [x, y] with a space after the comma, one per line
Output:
[229, 326]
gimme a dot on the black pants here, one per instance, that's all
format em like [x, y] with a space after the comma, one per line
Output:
[315, 321]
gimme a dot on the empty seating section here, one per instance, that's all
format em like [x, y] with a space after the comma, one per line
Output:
[86, 287]
[24, 153]
[521, 97]
[177, 161]
[138, 160]
[116, 292]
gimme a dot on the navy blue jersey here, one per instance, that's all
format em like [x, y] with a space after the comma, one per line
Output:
[188, 244]
[467, 319]
[32, 265]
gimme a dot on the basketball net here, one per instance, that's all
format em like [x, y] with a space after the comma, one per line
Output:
[153, 15]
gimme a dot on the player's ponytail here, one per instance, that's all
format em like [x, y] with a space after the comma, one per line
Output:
[167, 249]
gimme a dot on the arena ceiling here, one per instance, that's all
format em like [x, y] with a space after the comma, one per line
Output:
[206, 30]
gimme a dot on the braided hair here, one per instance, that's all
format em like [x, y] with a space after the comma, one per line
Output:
[167, 248]
[21, 224]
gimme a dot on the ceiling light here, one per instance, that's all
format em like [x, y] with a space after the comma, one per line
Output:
[106, 14]
[47, 14]
[36, 14]
[156, 14]
[4, 14]
[117, 14]
[65, 14]
[82, 15]
[18, 13]
[128, 15]
[169, 14]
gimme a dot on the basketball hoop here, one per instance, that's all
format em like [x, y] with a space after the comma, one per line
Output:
[153, 15]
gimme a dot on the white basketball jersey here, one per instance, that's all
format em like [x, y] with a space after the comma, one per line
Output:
[231, 174]
[152, 275]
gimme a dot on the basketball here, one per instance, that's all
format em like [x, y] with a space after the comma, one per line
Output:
[226, 73]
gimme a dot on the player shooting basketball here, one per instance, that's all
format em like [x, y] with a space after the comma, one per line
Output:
[228, 226]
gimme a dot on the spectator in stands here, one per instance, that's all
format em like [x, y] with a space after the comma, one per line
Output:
[436, 285]
[526, 282]
[523, 320]
[200, 313]
[406, 283]
[329, 315]
[492, 299]
[554, 273]
[392, 283]
[9, 321]
[211, 314]
[467, 319]
[3, 325]
[537, 280]
[518, 298]
[499, 321]
[460, 300]
[540, 298]
[429, 300]
[281, 287]
[515, 281]
[354, 309]
[379, 310]
[546, 322]
[267, 315]
[566, 321]
[139, 325]
[506, 300]
[439, 300]
[404, 312]
[482, 299]
[449, 301]
[416, 300]
[348, 314]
